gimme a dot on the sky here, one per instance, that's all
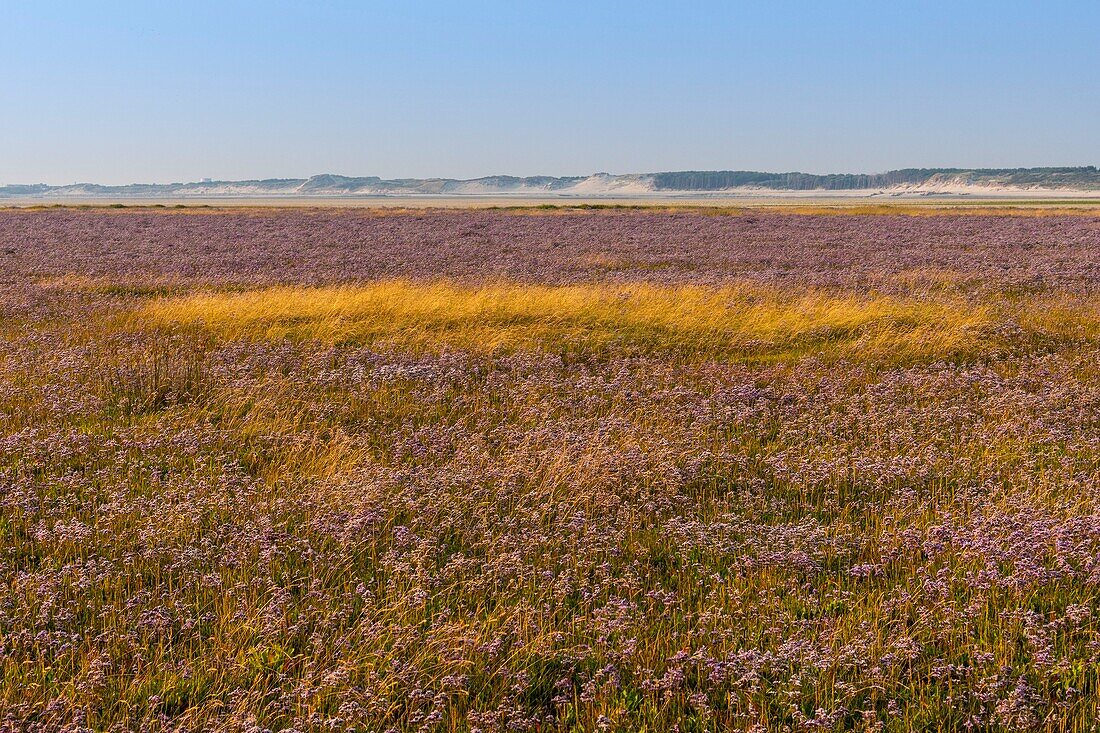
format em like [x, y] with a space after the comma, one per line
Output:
[118, 92]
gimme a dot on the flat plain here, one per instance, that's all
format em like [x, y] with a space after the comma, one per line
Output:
[542, 469]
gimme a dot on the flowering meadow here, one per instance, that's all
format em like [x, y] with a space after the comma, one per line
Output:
[549, 470]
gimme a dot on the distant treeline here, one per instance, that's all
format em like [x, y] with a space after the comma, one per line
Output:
[327, 184]
[1084, 177]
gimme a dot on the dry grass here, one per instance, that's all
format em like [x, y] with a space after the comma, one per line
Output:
[746, 321]
[418, 205]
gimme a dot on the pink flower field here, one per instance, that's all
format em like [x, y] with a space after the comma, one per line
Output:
[549, 470]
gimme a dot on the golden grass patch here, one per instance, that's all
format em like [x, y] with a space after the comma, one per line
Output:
[752, 321]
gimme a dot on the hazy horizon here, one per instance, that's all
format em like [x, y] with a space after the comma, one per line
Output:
[207, 179]
[129, 93]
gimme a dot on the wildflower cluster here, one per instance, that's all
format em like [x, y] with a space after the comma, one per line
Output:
[315, 530]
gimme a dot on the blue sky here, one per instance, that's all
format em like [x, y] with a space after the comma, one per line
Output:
[117, 92]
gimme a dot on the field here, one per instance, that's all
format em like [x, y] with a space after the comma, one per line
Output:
[549, 470]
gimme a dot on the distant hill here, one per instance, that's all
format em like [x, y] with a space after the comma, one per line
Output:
[915, 181]
[1086, 177]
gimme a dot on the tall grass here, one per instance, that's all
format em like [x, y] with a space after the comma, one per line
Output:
[747, 321]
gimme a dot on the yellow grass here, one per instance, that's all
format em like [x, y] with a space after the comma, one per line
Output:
[750, 320]
[825, 205]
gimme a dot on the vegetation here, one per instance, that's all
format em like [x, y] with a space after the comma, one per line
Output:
[1087, 177]
[1083, 177]
[548, 471]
